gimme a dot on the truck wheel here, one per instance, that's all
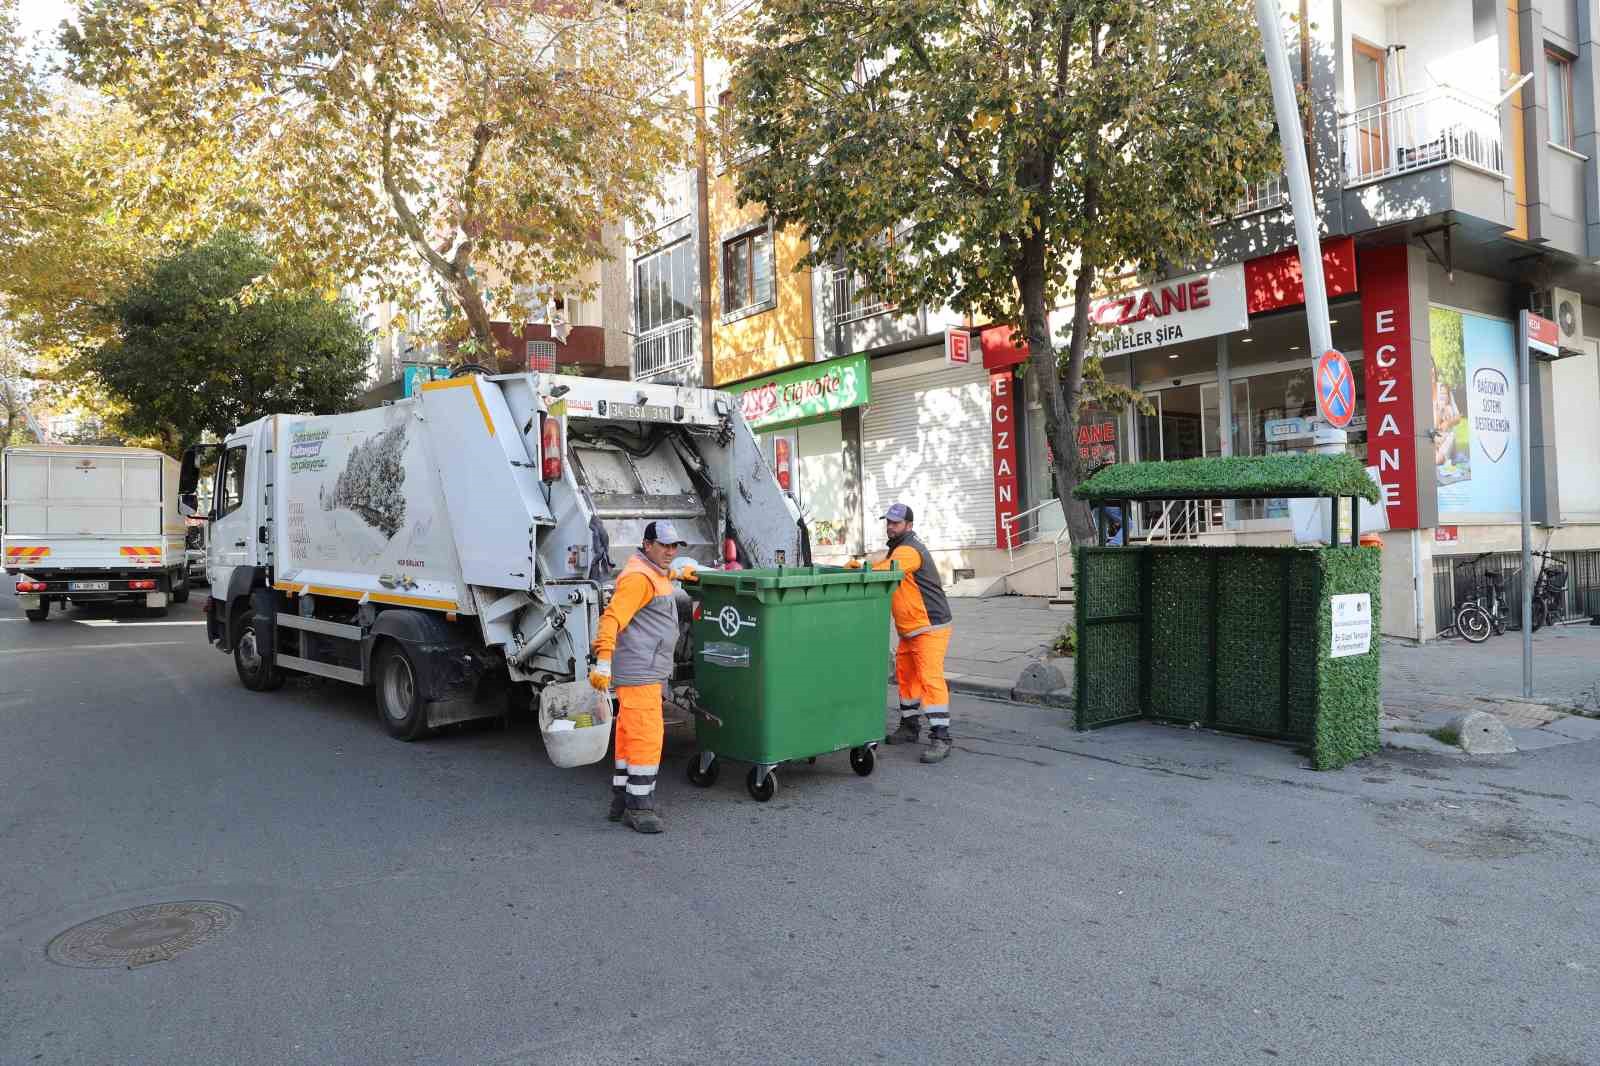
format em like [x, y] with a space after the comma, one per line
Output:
[180, 592]
[400, 703]
[39, 613]
[254, 673]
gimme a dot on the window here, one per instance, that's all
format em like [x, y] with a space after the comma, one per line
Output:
[230, 481]
[663, 286]
[747, 272]
[1558, 86]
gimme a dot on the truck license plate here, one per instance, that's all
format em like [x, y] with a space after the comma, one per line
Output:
[647, 412]
[88, 586]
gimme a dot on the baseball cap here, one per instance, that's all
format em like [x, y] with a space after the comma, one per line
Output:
[663, 532]
[898, 512]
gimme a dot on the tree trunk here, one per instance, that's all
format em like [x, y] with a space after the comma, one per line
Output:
[1059, 397]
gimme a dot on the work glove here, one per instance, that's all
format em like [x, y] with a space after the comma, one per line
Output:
[853, 564]
[600, 675]
[685, 569]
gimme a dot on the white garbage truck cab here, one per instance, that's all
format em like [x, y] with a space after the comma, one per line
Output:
[459, 545]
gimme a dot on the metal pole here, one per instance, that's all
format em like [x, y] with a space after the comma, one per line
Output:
[1524, 406]
[1291, 136]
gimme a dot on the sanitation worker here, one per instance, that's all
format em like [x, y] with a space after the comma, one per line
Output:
[922, 618]
[633, 651]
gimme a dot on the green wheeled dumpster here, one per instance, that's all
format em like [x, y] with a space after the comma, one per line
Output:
[789, 663]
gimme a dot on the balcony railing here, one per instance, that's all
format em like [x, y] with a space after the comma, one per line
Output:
[665, 350]
[1420, 130]
[1263, 196]
[852, 301]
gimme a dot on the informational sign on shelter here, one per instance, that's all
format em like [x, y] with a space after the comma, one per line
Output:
[1352, 625]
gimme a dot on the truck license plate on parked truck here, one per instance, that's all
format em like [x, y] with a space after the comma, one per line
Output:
[88, 586]
[648, 412]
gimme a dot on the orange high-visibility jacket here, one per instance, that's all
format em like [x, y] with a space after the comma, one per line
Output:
[919, 602]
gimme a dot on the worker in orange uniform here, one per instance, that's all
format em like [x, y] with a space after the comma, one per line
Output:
[923, 620]
[633, 650]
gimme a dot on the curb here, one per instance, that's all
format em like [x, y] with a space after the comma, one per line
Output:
[1061, 698]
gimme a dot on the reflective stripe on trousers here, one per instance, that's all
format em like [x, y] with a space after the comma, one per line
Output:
[639, 735]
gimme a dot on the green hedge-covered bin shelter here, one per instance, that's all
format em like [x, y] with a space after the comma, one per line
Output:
[1278, 642]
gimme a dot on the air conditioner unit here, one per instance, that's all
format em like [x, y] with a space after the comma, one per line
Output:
[1565, 308]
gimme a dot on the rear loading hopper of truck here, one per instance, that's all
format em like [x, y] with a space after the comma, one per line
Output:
[92, 525]
[459, 545]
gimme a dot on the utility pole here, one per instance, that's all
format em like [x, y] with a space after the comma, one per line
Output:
[1291, 137]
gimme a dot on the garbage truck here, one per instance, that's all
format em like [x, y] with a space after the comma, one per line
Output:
[458, 546]
[92, 524]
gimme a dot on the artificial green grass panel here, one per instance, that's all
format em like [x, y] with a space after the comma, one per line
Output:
[1253, 476]
[1180, 643]
[1349, 688]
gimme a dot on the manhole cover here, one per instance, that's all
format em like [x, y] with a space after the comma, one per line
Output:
[152, 933]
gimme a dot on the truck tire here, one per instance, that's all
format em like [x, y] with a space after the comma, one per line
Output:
[39, 613]
[401, 708]
[254, 673]
[180, 592]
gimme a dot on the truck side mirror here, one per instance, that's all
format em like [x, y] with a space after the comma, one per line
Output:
[189, 505]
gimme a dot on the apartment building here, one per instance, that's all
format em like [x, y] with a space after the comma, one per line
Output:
[1453, 151]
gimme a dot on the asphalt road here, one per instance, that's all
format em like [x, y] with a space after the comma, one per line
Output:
[1137, 895]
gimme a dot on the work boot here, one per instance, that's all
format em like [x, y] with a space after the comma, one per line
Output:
[910, 731]
[619, 800]
[642, 820]
[938, 748]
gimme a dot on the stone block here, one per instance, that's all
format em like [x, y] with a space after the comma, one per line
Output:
[1038, 679]
[1482, 734]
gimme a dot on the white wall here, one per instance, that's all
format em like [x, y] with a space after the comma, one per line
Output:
[1437, 35]
[1577, 397]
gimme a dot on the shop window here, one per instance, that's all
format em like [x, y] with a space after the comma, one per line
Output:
[1276, 414]
[747, 274]
[1558, 86]
[808, 462]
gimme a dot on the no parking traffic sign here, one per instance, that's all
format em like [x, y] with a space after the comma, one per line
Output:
[1336, 389]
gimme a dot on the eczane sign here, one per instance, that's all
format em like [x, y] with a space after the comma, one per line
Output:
[1173, 311]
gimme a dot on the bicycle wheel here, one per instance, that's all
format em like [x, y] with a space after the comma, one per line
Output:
[1541, 615]
[1473, 623]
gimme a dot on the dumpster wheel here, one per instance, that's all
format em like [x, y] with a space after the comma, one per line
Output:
[863, 760]
[761, 786]
[703, 769]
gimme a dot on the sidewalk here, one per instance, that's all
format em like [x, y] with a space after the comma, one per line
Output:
[1423, 687]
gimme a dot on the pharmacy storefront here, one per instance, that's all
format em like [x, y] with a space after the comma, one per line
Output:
[808, 421]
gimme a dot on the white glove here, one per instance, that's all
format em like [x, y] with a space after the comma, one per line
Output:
[684, 568]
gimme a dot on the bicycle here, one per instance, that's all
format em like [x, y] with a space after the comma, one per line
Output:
[1549, 589]
[1481, 602]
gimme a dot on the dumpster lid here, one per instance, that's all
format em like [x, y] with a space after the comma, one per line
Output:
[792, 577]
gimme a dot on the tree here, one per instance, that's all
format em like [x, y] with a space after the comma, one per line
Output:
[199, 349]
[1024, 153]
[494, 139]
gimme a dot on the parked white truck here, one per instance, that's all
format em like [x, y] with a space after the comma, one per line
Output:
[460, 544]
[92, 524]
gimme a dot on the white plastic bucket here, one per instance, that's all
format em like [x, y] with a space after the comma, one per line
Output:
[562, 703]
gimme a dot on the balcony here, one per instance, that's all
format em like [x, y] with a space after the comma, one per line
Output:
[1263, 196]
[1419, 130]
[665, 352]
[852, 301]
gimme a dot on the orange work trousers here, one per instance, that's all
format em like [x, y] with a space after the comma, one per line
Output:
[919, 673]
[638, 749]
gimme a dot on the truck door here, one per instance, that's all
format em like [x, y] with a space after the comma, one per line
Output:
[235, 513]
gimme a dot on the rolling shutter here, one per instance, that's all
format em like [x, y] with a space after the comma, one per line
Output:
[925, 441]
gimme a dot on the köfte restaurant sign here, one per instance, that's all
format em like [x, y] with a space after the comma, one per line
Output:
[1174, 311]
[812, 391]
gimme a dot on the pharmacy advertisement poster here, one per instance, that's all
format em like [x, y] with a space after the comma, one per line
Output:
[1477, 436]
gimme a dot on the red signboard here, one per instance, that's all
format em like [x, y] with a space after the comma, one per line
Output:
[1386, 339]
[1446, 534]
[1274, 281]
[1002, 427]
[1003, 347]
[957, 347]
[1543, 335]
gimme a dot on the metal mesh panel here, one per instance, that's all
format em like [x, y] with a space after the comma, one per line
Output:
[1181, 619]
[1250, 647]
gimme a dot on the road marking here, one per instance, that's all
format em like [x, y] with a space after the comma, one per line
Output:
[101, 622]
[94, 647]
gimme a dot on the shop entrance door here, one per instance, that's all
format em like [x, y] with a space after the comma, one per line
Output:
[1184, 424]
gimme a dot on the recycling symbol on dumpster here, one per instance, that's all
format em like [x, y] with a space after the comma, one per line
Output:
[730, 621]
